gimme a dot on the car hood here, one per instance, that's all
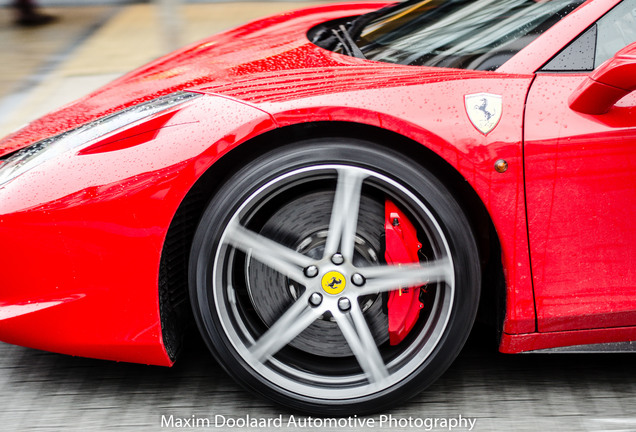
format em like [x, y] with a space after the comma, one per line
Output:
[264, 61]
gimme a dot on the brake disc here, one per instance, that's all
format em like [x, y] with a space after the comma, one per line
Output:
[302, 225]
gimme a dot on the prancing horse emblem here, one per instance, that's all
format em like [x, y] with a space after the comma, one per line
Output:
[334, 282]
[484, 110]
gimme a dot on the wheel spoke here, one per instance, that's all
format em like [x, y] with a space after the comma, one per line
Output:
[391, 277]
[280, 258]
[291, 323]
[356, 331]
[344, 214]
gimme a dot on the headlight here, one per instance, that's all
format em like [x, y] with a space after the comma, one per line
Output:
[41, 151]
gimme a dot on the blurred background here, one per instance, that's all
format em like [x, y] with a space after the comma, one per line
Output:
[90, 42]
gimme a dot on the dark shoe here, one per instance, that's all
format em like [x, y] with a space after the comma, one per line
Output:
[32, 19]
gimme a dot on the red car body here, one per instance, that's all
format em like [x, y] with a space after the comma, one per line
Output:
[82, 236]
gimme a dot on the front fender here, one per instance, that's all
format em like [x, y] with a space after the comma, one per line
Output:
[82, 234]
[434, 115]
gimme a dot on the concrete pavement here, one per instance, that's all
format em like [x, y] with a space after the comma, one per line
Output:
[523, 393]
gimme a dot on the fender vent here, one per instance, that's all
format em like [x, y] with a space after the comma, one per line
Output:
[174, 303]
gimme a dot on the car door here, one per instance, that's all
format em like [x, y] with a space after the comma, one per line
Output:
[580, 173]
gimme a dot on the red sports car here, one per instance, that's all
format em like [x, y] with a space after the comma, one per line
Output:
[332, 194]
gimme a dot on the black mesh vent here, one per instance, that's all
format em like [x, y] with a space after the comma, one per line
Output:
[174, 303]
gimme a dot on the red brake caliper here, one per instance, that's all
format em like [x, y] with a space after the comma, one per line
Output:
[402, 247]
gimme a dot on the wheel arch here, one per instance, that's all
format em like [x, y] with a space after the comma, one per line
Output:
[175, 307]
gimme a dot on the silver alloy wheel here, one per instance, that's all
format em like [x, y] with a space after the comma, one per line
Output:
[262, 349]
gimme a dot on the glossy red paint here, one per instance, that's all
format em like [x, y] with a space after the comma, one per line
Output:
[87, 238]
[274, 43]
[514, 344]
[607, 85]
[434, 101]
[581, 195]
[99, 216]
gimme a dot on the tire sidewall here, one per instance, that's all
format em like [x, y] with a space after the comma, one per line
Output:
[446, 211]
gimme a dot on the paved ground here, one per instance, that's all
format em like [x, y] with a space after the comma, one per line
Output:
[26, 52]
[43, 68]
[43, 391]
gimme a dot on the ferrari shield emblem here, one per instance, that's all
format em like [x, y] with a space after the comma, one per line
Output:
[484, 110]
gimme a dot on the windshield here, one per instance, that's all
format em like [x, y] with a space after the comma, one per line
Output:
[466, 34]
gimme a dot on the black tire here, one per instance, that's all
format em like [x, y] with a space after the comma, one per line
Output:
[251, 271]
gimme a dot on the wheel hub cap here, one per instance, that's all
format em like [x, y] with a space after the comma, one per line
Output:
[333, 282]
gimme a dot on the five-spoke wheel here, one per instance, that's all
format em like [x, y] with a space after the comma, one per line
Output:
[289, 280]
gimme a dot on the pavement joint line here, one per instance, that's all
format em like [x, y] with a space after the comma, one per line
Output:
[53, 63]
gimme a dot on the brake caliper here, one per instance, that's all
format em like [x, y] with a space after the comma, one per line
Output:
[402, 247]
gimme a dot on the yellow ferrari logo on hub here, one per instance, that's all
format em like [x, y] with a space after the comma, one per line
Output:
[333, 282]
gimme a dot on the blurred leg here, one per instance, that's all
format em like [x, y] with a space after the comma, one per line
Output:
[28, 15]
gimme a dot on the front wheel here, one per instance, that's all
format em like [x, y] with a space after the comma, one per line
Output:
[290, 277]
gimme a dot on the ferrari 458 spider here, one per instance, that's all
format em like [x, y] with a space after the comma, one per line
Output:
[330, 195]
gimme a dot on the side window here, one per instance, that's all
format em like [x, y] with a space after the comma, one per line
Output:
[576, 57]
[615, 30]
